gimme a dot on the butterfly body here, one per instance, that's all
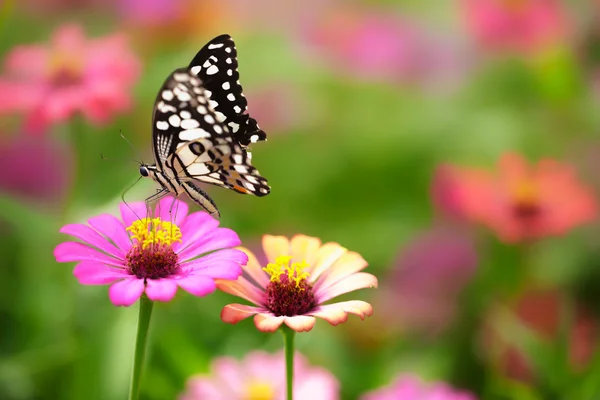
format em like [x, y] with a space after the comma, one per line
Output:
[201, 130]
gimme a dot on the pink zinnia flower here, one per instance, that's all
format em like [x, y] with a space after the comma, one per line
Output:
[408, 387]
[520, 201]
[261, 376]
[301, 275]
[517, 25]
[50, 83]
[152, 255]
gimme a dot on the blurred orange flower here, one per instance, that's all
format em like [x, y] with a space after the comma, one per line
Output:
[301, 275]
[50, 83]
[516, 25]
[519, 201]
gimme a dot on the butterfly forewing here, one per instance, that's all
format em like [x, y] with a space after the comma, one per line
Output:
[217, 66]
[191, 143]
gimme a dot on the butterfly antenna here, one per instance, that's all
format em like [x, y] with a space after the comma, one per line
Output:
[132, 146]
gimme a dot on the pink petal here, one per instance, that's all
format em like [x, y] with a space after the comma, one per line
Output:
[304, 248]
[327, 255]
[87, 234]
[234, 313]
[219, 238]
[27, 61]
[160, 289]
[126, 292]
[275, 246]
[75, 251]
[94, 273]
[354, 282]
[300, 323]
[111, 227]
[338, 312]
[132, 212]
[197, 285]
[267, 322]
[217, 259]
[215, 269]
[195, 226]
[349, 263]
[254, 269]
[172, 210]
[244, 289]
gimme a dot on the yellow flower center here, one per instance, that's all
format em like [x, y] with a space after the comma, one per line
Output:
[65, 69]
[295, 272]
[260, 391]
[154, 231]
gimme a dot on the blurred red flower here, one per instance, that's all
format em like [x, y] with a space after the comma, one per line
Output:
[538, 310]
[516, 25]
[519, 201]
[50, 83]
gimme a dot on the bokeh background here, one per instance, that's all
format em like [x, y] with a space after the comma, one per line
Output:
[372, 110]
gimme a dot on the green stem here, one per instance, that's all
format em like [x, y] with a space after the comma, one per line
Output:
[288, 342]
[140, 346]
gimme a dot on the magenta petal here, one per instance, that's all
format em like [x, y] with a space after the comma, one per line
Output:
[161, 289]
[126, 292]
[215, 269]
[132, 212]
[227, 255]
[172, 210]
[87, 234]
[195, 226]
[218, 239]
[111, 227]
[94, 273]
[197, 285]
[75, 251]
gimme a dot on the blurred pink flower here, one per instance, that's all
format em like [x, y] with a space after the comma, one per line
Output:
[301, 275]
[516, 25]
[35, 168]
[421, 294]
[279, 107]
[151, 255]
[520, 201]
[540, 311]
[50, 83]
[408, 387]
[261, 376]
[385, 47]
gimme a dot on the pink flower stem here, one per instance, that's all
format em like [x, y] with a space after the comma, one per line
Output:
[288, 342]
[140, 346]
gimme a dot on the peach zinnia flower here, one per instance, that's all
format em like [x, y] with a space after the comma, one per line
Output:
[409, 387]
[300, 276]
[50, 83]
[521, 201]
[261, 375]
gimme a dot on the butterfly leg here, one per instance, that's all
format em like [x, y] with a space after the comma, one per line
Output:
[155, 197]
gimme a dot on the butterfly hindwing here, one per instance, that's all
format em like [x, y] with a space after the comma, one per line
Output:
[217, 66]
[191, 142]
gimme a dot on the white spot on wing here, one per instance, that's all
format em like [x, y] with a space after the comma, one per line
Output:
[184, 96]
[237, 109]
[185, 114]
[234, 126]
[215, 46]
[189, 124]
[213, 69]
[254, 138]
[226, 85]
[231, 97]
[201, 109]
[193, 134]
[209, 119]
[181, 77]
[238, 159]
[228, 60]
[220, 116]
[228, 49]
[229, 72]
[174, 120]
[218, 129]
[198, 169]
[162, 125]
[167, 95]
[196, 69]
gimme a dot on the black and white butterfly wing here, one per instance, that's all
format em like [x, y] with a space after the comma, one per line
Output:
[217, 67]
[190, 144]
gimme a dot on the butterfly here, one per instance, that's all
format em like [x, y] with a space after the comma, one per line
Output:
[201, 130]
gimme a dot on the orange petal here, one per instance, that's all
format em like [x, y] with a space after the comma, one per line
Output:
[304, 248]
[348, 264]
[326, 256]
[267, 322]
[242, 288]
[234, 313]
[338, 312]
[254, 269]
[275, 246]
[300, 323]
[360, 280]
